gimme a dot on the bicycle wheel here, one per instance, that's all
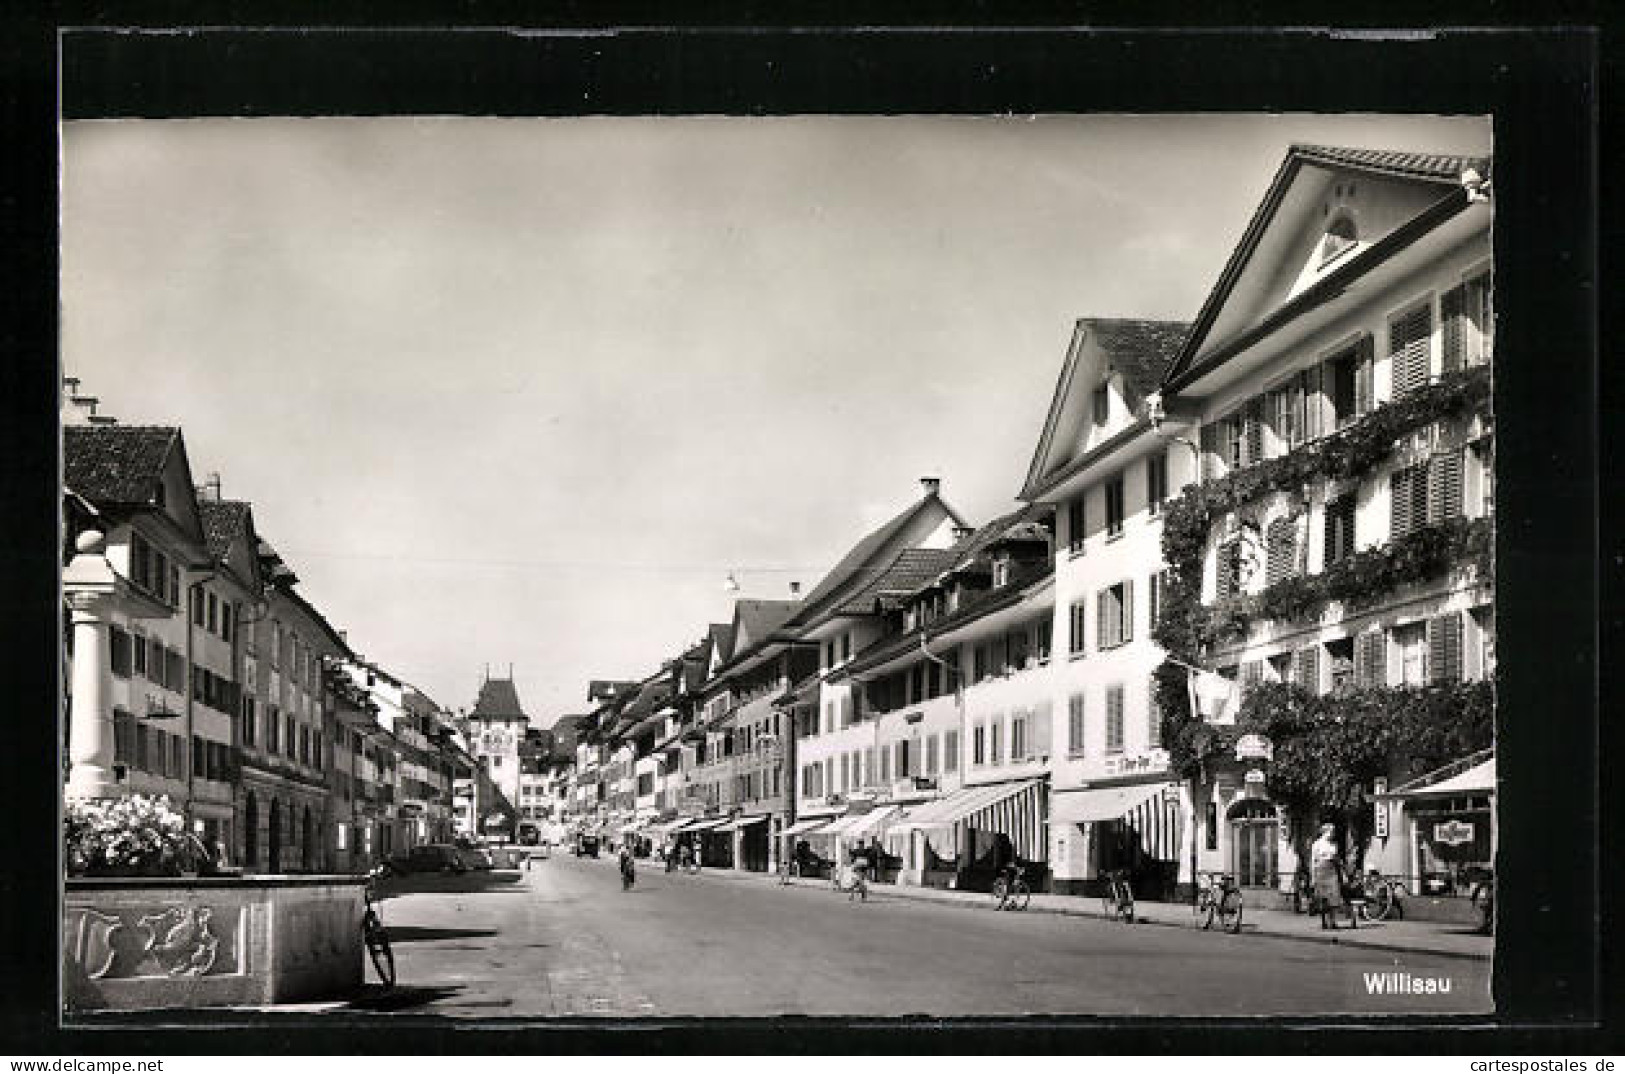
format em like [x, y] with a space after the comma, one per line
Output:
[1020, 895]
[1230, 911]
[376, 937]
[1205, 909]
[1001, 892]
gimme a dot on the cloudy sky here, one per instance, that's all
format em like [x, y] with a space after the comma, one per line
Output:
[524, 391]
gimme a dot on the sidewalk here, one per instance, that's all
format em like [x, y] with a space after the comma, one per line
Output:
[1421, 937]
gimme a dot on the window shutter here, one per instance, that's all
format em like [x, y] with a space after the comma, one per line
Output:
[1101, 606]
[1254, 426]
[1282, 550]
[1371, 659]
[1408, 350]
[1210, 451]
[1128, 611]
[1074, 724]
[119, 651]
[1444, 648]
[1445, 486]
[1306, 668]
[1452, 326]
[1401, 494]
[1114, 719]
[1316, 402]
[1365, 394]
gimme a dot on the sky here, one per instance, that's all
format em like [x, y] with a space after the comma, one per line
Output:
[524, 392]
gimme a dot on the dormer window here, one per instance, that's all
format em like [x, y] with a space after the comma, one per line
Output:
[1001, 572]
[1339, 238]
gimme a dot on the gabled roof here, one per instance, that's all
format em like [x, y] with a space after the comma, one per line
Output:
[1439, 169]
[498, 700]
[1142, 351]
[223, 522]
[754, 620]
[116, 464]
[912, 568]
[603, 689]
[722, 641]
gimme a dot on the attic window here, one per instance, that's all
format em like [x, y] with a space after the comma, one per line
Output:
[1102, 405]
[1339, 238]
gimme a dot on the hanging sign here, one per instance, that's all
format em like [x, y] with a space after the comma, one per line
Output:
[1254, 748]
[1379, 787]
[1453, 833]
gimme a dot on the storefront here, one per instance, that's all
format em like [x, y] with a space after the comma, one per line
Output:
[1136, 827]
[964, 839]
[749, 835]
[1447, 827]
[798, 840]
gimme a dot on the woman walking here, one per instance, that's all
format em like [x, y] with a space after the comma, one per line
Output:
[1326, 873]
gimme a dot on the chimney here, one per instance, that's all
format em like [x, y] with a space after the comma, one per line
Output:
[930, 485]
[795, 589]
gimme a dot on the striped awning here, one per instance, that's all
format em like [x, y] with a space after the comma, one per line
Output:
[742, 822]
[1144, 808]
[1100, 803]
[802, 827]
[704, 825]
[1016, 809]
[872, 822]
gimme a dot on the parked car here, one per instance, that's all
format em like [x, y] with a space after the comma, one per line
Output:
[429, 858]
[477, 858]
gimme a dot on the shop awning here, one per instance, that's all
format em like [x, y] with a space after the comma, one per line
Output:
[871, 822]
[803, 827]
[703, 825]
[843, 825]
[658, 830]
[1100, 803]
[1016, 809]
[1479, 779]
[743, 822]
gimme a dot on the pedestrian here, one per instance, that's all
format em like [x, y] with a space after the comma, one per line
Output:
[861, 856]
[1326, 874]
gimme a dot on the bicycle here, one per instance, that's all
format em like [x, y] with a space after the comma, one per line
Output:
[1219, 898]
[1118, 899]
[790, 870]
[373, 933]
[1382, 897]
[1303, 892]
[1010, 891]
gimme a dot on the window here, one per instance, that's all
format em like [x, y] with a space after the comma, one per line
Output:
[931, 756]
[1466, 325]
[1339, 540]
[1156, 482]
[1075, 645]
[197, 605]
[1338, 239]
[1445, 486]
[1410, 361]
[995, 751]
[138, 653]
[1153, 716]
[846, 710]
[250, 722]
[119, 651]
[212, 623]
[123, 737]
[200, 765]
[1114, 507]
[846, 771]
[1283, 409]
[1016, 648]
[1074, 525]
[950, 751]
[1018, 736]
[1114, 615]
[1411, 641]
[1114, 719]
[1102, 404]
[1042, 630]
[1227, 576]
[846, 646]
[1305, 668]
[1001, 572]
[1281, 550]
[1408, 500]
[1157, 585]
[1074, 724]
[905, 760]
[157, 668]
[978, 754]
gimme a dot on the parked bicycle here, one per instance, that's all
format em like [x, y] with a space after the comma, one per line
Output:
[1303, 891]
[373, 933]
[1218, 897]
[789, 870]
[1118, 899]
[1483, 899]
[1381, 897]
[1010, 891]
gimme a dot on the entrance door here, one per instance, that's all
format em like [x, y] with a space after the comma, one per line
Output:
[1255, 835]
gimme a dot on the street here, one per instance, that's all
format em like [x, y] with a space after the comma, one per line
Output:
[564, 940]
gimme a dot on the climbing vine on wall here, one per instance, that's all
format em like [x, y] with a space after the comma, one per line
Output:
[1327, 747]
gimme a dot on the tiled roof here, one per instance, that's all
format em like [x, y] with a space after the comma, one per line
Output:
[1398, 162]
[115, 464]
[861, 552]
[498, 699]
[999, 529]
[759, 618]
[599, 689]
[913, 568]
[722, 640]
[1140, 350]
[222, 522]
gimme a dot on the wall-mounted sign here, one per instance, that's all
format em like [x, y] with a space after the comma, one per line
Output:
[1379, 787]
[1254, 748]
[1253, 778]
[1453, 833]
[1139, 762]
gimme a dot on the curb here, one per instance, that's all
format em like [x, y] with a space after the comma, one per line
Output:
[891, 891]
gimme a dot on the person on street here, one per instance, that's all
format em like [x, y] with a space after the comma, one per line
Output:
[628, 867]
[861, 857]
[1326, 873]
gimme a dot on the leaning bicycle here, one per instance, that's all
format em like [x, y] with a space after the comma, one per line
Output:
[790, 870]
[1383, 897]
[1218, 898]
[1118, 898]
[373, 933]
[1010, 891]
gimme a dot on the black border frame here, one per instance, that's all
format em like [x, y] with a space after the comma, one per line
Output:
[1541, 85]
